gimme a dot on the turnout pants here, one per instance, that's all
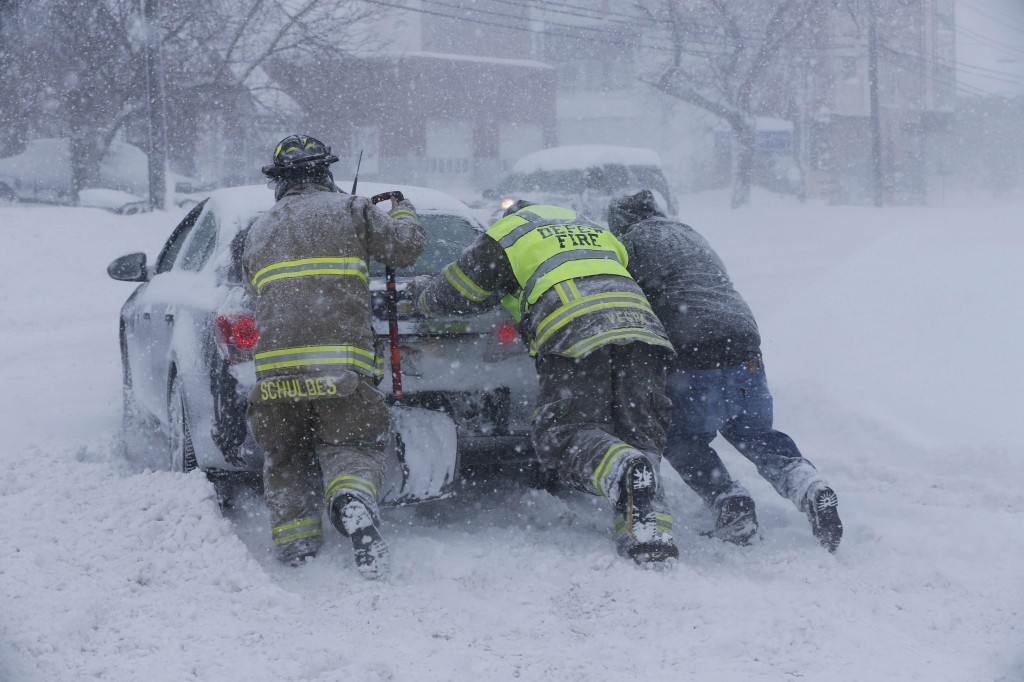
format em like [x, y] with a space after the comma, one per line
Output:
[596, 412]
[316, 450]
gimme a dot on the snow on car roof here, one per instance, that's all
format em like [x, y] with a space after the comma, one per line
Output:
[249, 201]
[585, 155]
[425, 200]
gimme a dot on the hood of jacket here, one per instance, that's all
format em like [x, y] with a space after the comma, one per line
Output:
[321, 181]
[624, 212]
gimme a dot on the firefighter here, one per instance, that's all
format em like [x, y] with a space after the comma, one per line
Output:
[717, 383]
[600, 354]
[316, 409]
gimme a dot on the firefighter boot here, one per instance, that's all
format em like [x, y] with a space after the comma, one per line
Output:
[354, 519]
[643, 524]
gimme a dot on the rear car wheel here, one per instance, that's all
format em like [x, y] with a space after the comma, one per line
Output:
[182, 455]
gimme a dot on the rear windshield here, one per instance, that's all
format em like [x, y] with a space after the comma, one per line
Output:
[447, 236]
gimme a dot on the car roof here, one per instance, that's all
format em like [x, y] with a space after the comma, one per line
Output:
[569, 157]
[247, 202]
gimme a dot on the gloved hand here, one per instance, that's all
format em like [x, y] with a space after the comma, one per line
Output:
[417, 285]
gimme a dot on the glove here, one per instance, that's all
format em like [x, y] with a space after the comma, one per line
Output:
[417, 286]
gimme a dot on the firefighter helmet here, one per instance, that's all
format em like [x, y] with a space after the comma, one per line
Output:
[299, 154]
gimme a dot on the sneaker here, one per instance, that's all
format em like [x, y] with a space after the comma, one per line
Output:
[643, 526]
[735, 519]
[355, 521]
[823, 512]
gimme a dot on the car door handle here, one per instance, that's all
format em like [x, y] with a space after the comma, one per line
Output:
[169, 317]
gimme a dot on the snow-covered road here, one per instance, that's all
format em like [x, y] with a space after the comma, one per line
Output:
[893, 346]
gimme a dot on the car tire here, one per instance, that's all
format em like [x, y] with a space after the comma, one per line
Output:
[181, 453]
[7, 195]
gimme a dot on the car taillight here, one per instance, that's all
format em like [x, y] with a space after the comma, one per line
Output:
[236, 336]
[506, 333]
[503, 342]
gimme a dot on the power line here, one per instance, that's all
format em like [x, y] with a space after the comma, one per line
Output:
[604, 31]
[1002, 18]
[958, 67]
[989, 42]
[610, 39]
[609, 35]
[514, 27]
[545, 4]
[584, 12]
[480, 10]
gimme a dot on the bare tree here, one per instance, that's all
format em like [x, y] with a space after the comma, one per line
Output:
[86, 61]
[76, 61]
[13, 109]
[221, 70]
[725, 58]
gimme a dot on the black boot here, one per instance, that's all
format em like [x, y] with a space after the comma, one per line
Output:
[822, 507]
[298, 552]
[643, 524]
[735, 519]
[354, 520]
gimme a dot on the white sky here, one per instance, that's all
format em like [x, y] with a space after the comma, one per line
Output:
[990, 46]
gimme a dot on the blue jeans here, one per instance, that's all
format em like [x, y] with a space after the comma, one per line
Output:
[735, 402]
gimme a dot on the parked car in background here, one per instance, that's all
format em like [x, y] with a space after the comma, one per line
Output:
[42, 173]
[582, 177]
[113, 200]
[187, 334]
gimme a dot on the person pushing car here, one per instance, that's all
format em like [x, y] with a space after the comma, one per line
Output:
[315, 408]
[600, 352]
[717, 382]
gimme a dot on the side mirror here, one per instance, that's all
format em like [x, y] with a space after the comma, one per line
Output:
[130, 268]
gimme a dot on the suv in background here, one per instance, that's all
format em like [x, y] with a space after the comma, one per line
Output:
[584, 178]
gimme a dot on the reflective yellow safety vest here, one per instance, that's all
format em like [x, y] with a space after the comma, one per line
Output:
[547, 244]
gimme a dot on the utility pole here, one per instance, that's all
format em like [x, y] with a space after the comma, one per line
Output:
[878, 186]
[155, 103]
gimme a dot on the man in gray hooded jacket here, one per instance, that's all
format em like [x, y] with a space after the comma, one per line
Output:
[717, 382]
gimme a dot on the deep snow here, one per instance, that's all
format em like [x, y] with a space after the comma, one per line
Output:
[893, 346]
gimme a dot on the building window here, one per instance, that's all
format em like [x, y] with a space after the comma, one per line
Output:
[436, 165]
